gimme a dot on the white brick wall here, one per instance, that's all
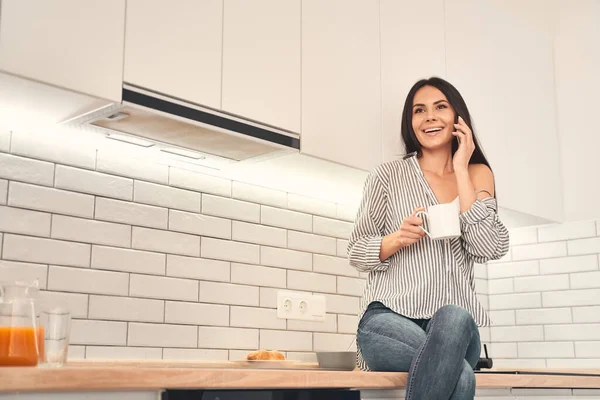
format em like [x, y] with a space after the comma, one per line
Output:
[546, 309]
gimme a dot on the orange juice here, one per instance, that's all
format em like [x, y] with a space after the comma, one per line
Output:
[21, 346]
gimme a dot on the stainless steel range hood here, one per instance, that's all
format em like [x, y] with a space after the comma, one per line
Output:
[175, 122]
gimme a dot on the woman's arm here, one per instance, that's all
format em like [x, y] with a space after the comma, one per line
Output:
[484, 236]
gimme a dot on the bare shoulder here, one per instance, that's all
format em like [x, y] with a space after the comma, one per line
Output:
[482, 177]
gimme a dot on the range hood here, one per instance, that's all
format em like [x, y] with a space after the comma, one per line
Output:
[167, 120]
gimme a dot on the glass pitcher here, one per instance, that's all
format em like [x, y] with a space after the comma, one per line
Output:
[21, 339]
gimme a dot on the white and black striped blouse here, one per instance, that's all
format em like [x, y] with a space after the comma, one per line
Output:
[421, 278]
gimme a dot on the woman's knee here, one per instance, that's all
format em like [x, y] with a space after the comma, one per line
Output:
[454, 316]
[466, 385]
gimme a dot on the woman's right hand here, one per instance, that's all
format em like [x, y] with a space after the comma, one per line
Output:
[410, 231]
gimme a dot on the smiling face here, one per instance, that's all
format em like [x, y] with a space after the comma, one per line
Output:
[432, 118]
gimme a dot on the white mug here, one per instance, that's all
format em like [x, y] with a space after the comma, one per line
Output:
[443, 220]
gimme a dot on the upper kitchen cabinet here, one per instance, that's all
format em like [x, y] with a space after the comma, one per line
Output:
[499, 55]
[411, 49]
[73, 44]
[174, 47]
[341, 92]
[261, 61]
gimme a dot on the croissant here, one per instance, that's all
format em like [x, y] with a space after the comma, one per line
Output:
[265, 355]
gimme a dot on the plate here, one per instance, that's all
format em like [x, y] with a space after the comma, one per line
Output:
[265, 364]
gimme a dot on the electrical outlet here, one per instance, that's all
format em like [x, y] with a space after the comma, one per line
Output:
[303, 306]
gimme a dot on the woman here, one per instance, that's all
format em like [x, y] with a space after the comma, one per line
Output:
[419, 309]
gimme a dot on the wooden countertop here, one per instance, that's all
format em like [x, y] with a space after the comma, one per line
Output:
[157, 375]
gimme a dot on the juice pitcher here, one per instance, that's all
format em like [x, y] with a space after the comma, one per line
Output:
[21, 339]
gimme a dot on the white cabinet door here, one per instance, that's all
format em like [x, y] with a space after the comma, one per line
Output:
[499, 56]
[74, 44]
[412, 48]
[174, 47]
[341, 92]
[261, 61]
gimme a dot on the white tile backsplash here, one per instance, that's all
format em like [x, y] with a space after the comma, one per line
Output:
[299, 280]
[286, 219]
[311, 206]
[127, 260]
[26, 170]
[329, 325]
[165, 242]
[334, 342]
[230, 251]
[198, 268]
[50, 251]
[569, 230]
[584, 246]
[19, 271]
[159, 287]
[130, 213]
[523, 236]
[569, 264]
[79, 280]
[199, 182]
[515, 301]
[122, 353]
[165, 196]
[286, 340]
[76, 303]
[333, 266]
[513, 269]
[79, 180]
[312, 243]
[539, 251]
[230, 208]
[342, 246]
[26, 222]
[3, 191]
[162, 335]
[284, 258]
[585, 280]
[247, 317]
[543, 316]
[258, 276]
[179, 312]
[563, 298]
[332, 227]
[50, 200]
[47, 147]
[195, 354]
[350, 286]
[92, 332]
[226, 293]
[5, 140]
[586, 314]
[199, 224]
[160, 299]
[126, 309]
[90, 231]
[137, 168]
[542, 283]
[227, 338]
[546, 350]
[259, 195]
[259, 234]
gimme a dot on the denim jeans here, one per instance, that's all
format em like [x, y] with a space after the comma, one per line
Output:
[438, 353]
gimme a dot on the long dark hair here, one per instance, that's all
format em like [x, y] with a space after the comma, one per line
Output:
[411, 143]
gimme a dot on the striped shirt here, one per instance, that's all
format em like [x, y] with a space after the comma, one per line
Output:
[421, 278]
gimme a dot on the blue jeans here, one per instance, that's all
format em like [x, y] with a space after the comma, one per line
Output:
[438, 353]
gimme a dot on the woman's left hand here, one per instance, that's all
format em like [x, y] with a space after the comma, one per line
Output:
[466, 146]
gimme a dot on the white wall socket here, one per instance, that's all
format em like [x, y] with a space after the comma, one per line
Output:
[304, 306]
